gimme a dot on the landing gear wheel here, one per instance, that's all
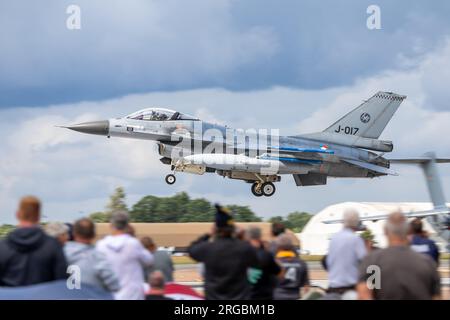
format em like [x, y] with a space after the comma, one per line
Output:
[170, 179]
[255, 190]
[268, 189]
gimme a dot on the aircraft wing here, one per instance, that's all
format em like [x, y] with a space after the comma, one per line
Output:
[371, 166]
[416, 214]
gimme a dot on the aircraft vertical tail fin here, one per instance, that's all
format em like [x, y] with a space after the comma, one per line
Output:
[370, 118]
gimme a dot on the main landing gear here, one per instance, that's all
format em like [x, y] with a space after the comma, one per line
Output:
[170, 179]
[263, 189]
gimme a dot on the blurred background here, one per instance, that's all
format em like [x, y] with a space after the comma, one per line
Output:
[292, 65]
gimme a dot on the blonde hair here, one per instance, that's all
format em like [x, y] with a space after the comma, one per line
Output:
[56, 229]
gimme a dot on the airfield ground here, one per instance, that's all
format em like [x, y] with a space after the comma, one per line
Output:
[187, 273]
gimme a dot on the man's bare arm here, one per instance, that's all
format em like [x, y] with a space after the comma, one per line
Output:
[364, 293]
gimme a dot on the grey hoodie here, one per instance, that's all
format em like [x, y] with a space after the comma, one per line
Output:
[95, 268]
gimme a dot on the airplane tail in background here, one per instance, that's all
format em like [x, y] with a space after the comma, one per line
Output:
[434, 182]
[370, 118]
[439, 216]
[428, 163]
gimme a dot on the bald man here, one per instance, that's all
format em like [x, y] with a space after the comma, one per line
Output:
[28, 255]
[398, 272]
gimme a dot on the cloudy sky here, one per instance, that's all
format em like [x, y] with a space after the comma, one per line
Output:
[293, 65]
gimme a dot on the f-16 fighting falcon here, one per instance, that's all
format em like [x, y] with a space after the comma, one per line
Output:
[349, 148]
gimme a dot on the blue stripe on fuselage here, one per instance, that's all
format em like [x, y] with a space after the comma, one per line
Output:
[304, 150]
[295, 160]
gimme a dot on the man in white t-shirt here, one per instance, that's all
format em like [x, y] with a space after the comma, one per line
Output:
[127, 256]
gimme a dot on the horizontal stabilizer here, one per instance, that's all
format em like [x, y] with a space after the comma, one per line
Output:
[371, 167]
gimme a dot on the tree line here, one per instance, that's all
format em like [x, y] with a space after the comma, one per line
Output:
[177, 208]
[181, 208]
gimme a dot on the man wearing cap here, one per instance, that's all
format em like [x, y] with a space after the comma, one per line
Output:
[226, 260]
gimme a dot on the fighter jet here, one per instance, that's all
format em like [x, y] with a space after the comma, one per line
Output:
[348, 148]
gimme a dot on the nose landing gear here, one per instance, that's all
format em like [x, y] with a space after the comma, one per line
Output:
[170, 179]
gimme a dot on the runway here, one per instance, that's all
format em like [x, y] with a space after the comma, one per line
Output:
[188, 274]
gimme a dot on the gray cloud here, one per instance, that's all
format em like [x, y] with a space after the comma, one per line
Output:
[147, 45]
[75, 173]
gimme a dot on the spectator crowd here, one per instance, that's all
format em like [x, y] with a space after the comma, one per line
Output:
[235, 264]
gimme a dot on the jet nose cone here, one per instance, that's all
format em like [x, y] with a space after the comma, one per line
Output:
[93, 127]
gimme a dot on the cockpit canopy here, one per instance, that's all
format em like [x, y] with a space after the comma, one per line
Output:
[159, 114]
